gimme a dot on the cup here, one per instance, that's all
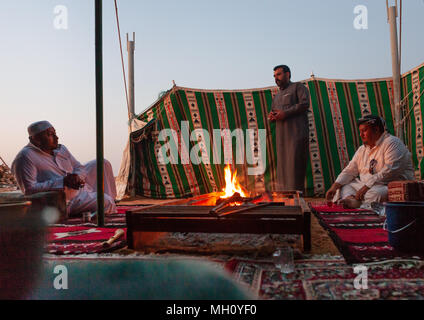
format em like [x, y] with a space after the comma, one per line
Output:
[86, 216]
[94, 218]
[89, 217]
[283, 259]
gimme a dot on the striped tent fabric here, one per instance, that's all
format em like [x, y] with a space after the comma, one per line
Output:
[198, 167]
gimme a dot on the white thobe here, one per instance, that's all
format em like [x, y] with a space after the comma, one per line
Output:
[394, 163]
[37, 171]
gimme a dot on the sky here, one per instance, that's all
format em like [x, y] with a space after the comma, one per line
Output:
[48, 73]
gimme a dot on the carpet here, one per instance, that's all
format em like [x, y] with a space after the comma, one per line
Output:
[358, 234]
[330, 278]
[73, 240]
[76, 236]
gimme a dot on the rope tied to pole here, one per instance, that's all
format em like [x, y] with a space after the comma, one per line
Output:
[122, 59]
[412, 107]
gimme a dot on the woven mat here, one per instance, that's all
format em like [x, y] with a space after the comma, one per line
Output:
[76, 236]
[358, 234]
[330, 278]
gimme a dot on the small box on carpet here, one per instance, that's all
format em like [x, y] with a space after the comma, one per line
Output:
[403, 191]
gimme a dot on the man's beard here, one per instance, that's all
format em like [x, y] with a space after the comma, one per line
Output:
[281, 83]
[54, 146]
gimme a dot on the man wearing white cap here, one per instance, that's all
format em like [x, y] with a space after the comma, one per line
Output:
[44, 165]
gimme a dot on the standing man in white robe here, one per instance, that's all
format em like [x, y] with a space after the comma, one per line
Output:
[382, 158]
[44, 165]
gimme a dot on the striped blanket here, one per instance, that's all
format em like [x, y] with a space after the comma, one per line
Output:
[334, 136]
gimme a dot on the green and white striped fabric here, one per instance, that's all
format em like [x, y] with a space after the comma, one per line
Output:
[334, 136]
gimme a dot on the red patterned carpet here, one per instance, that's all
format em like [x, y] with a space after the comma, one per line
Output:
[358, 234]
[329, 278]
[79, 237]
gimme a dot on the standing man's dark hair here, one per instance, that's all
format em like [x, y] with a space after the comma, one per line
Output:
[289, 110]
[284, 67]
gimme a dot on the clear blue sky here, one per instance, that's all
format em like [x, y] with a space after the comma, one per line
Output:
[49, 74]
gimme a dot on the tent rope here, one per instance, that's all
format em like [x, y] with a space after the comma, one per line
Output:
[409, 93]
[400, 35]
[412, 107]
[122, 59]
[4, 162]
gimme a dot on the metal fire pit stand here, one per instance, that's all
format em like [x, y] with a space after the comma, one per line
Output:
[290, 216]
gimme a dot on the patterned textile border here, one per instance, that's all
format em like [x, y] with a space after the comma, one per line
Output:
[116, 220]
[77, 237]
[358, 234]
[335, 106]
[75, 240]
[324, 279]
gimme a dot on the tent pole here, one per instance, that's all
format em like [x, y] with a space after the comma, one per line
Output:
[392, 14]
[131, 94]
[99, 111]
[131, 48]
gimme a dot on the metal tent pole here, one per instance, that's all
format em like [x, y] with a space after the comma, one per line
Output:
[130, 49]
[99, 112]
[131, 94]
[392, 14]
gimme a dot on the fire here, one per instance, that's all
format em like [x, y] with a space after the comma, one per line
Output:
[231, 184]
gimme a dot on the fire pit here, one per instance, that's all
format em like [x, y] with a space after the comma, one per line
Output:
[273, 213]
[229, 211]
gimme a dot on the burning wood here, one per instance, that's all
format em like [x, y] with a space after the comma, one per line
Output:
[222, 203]
[234, 200]
[232, 195]
[232, 185]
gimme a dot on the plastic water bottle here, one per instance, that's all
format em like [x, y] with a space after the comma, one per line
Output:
[283, 259]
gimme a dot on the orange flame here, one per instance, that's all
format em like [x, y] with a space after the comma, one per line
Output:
[231, 184]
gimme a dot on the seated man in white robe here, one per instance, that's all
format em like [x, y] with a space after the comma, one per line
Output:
[44, 165]
[382, 158]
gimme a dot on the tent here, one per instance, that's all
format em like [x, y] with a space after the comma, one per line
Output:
[191, 117]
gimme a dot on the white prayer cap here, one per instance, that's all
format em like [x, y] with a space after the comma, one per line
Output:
[38, 127]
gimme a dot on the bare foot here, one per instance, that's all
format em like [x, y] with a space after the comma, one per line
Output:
[350, 203]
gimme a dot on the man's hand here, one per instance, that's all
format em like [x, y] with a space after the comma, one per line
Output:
[360, 194]
[276, 115]
[332, 191]
[73, 181]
